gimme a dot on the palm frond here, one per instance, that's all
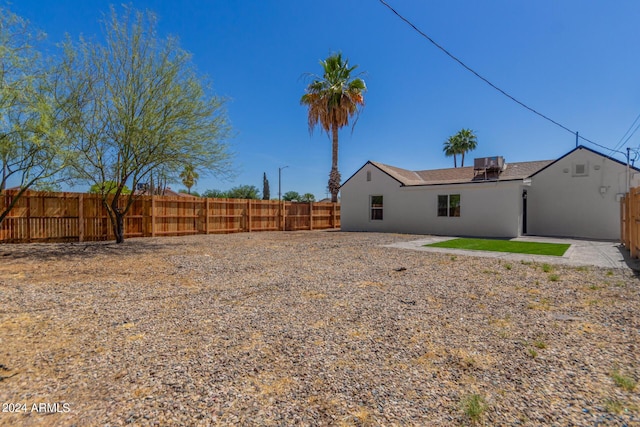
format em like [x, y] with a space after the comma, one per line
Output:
[335, 99]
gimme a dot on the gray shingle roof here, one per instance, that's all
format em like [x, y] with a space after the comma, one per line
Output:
[513, 171]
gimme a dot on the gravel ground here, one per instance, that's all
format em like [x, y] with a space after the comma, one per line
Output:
[310, 328]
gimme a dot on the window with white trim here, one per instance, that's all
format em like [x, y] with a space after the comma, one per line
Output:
[376, 206]
[449, 205]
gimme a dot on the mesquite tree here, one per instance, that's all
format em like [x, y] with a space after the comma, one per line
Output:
[140, 109]
[32, 140]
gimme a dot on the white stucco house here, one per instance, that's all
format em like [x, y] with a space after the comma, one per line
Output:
[576, 195]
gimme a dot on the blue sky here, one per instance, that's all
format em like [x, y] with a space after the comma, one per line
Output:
[573, 60]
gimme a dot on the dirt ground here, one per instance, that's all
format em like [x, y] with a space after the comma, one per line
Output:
[310, 328]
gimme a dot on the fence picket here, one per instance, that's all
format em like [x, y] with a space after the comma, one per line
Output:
[630, 221]
[64, 217]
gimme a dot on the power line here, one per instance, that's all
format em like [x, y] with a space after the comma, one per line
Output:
[602, 146]
[622, 141]
[484, 79]
[631, 134]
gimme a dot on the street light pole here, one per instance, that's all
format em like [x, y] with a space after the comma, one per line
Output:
[279, 181]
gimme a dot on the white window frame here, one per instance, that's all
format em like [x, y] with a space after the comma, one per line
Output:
[377, 208]
[451, 210]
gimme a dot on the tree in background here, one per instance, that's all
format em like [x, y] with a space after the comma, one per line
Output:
[191, 193]
[47, 186]
[467, 141]
[333, 100]
[108, 187]
[215, 194]
[244, 192]
[266, 193]
[189, 177]
[158, 181]
[139, 108]
[33, 148]
[460, 143]
[307, 197]
[291, 196]
[452, 148]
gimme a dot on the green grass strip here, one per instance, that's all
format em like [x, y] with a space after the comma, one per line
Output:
[496, 245]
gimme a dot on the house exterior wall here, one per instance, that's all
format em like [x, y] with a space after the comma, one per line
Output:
[355, 200]
[491, 209]
[564, 202]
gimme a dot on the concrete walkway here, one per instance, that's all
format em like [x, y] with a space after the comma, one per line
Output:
[581, 252]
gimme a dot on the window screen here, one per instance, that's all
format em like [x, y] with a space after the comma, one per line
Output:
[376, 207]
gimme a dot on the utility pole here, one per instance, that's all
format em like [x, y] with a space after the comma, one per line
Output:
[576, 139]
[279, 181]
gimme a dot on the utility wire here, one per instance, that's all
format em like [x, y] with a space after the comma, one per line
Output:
[632, 133]
[622, 141]
[484, 79]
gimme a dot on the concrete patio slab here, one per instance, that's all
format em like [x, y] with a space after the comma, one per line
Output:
[605, 254]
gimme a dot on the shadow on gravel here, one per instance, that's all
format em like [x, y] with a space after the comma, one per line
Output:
[57, 251]
[632, 263]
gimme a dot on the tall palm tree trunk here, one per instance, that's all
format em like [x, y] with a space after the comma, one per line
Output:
[334, 175]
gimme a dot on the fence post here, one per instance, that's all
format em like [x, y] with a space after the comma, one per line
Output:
[197, 208]
[626, 221]
[283, 225]
[623, 221]
[628, 224]
[632, 224]
[80, 217]
[310, 215]
[333, 214]
[206, 216]
[249, 215]
[153, 214]
[27, 196]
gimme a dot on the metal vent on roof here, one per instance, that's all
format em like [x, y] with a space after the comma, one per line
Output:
[488, 167]
[489, 163]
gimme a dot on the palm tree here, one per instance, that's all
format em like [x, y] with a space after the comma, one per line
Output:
[333, 100]
[189, 177]
[452, 148]
[467, 141]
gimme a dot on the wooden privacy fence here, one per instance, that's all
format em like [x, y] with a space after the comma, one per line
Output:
[61, 217]
[630, 221]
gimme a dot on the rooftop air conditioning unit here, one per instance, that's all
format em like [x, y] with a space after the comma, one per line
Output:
[489, 163]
